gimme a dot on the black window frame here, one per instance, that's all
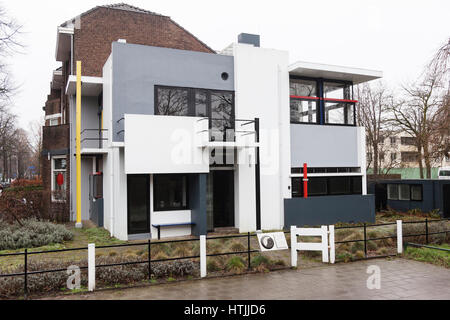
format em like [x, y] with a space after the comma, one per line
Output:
[298, 189]
[156, 207]
[410, 185]
[321, 100]
[191, 100]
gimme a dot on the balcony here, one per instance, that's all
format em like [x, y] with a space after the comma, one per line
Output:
[93, 141]
[228, 133]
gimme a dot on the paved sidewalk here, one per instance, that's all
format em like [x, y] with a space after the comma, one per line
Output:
[400, 279]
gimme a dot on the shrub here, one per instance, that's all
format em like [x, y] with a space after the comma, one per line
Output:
[357, 246]
[260, 260]
[105, 276]
[31, 233]
[346, 257]
[419, 228]
[212, 265]
[372, 246]
[237, 246]
[236, 264]
[359, 254]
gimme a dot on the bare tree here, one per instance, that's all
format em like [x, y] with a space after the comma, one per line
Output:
[372, 113]
[36, 144]
[10, 31]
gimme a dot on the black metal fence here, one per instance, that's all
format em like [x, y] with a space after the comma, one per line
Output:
[26, 253]
[366, 239]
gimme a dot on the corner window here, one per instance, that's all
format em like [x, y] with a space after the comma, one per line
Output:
[58, 184]
[339, 113]
[322, 101]
[170, 192]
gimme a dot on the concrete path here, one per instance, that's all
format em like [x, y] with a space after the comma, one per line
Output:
[400, 279]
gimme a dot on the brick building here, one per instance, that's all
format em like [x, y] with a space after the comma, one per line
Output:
[88, 38]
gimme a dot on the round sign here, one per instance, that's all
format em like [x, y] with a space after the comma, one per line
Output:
[60, 179]
[267, 242]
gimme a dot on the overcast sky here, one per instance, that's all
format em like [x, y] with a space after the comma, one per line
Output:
[397, 37]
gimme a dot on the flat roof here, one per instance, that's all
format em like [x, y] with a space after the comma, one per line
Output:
[327, 71]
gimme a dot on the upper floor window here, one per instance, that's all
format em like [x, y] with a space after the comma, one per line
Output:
[322, 102]
[303, 88]
[408, 141]
[172, 101]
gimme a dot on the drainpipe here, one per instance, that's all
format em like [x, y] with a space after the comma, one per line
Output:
[305, 180]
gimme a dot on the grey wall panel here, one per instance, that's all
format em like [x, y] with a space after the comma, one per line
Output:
[327, 210]
[197, 203]
[324, 146]
[137, 69]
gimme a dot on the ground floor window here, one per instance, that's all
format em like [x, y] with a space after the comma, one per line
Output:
[404, 192]
[59, 168]
[170, 192]
[326, 186]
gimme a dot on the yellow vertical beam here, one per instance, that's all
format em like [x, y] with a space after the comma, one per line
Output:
[78, 144]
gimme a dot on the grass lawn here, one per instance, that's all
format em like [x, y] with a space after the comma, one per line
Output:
[436, 257]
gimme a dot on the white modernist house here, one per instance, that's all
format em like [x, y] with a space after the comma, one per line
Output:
[180, 142]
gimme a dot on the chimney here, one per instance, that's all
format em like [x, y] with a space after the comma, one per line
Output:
[249, 38]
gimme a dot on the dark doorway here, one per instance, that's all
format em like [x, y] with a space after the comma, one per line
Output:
[380, 196]
[446, 200]
[138, 187]
[221, 199]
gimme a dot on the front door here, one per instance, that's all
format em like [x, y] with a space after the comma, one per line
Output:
[138, 187]
[220, 199]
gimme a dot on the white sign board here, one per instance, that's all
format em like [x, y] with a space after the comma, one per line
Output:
[272, 241]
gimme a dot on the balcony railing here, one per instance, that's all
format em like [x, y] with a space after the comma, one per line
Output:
[93, 138]
[230, 130]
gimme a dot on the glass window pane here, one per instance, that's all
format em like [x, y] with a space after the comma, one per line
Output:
[317, 186]
[172, 101]
[392, 191]
[303, 111]
[404, 192]
[60, 164]
[340, 185]
[334, 113]
[333, 90]
[222, 116]
[170, 192]
[357, 185]
[350, 114]
[304, 88]
[200, 104]
[416, 192]
[297, 187]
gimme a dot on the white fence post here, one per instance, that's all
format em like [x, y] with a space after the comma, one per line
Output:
[91, 267]
[325, 244]
[293, 246]
[399, 236]
[332, 245]
[202, 256]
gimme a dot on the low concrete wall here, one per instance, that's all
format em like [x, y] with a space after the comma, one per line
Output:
[327, 210]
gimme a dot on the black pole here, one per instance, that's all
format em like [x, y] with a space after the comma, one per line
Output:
[26, 274]
[257, 179]
[426, 230]
[365, 240]
[149, 259]
[248, 251]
